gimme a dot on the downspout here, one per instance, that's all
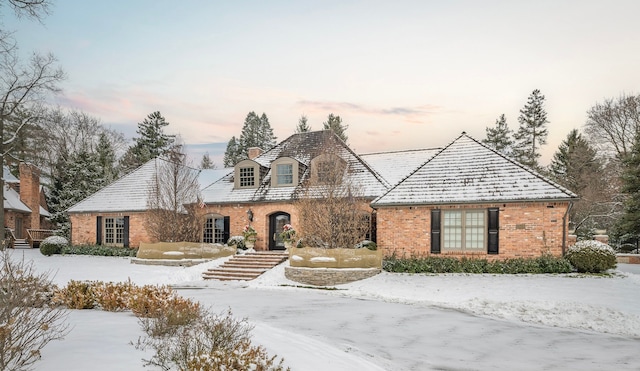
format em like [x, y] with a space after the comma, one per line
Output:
[564, 228]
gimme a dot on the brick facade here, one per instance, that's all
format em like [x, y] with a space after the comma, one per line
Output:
[525, 229]
[30, 193]
[84, 228]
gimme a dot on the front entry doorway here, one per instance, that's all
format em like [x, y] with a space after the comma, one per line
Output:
[276, 222]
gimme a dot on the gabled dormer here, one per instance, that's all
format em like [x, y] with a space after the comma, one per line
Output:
[248, 174]
[327, 168]
[285, 172]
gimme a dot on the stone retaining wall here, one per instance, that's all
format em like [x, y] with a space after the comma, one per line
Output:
[328, 276]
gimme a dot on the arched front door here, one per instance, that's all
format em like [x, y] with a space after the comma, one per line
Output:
[276, 222]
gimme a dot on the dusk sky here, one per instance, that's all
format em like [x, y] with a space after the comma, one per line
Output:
[401, 74]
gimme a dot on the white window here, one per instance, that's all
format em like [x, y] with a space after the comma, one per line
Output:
[464, 230]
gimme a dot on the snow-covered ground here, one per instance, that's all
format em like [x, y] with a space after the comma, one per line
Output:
[388, 322]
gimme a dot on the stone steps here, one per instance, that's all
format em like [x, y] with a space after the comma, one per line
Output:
[246, 267]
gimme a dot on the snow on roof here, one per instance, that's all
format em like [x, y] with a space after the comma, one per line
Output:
[129, 193]
[208, 176]
[7, 176]
[395, 166]
[12, 201]
[468, 171]
[302, 147]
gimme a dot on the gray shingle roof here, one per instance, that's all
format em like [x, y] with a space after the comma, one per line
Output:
[129, 193]
[468, 171]
[395, 166]
[12, 201]
[302, 147]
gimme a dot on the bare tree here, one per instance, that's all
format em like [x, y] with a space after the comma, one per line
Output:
[27, 320]
[613, 124]
[23, 86]
[172, 200]
[332, 212]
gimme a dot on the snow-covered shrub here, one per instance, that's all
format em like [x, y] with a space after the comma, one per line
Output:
[211, 342]
[76, 295]
[237, 241]
[367, 244]
[591, 256]
[53, 245]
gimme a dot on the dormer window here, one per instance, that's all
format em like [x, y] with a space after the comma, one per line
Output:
[327, 169]
[284, 172]
[247, 177]
[247, 174]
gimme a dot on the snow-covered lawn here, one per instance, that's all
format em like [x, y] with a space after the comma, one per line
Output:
[388, 322]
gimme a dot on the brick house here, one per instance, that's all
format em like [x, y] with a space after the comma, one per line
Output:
[25, 206]
[462, 200]
[469, 200]
[116, 215]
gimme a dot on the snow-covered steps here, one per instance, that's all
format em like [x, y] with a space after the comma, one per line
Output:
[21, 244]
[247, 266]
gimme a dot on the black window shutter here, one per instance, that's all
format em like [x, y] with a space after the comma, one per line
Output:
[435, 231]
[227, 221]
[374, 227]
[493, 228]
[125, 232]
[99, 230]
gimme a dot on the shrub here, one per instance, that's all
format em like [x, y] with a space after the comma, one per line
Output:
[237, 241]
[113, 297]
[149, 300]
[367, 244]
[438, 264]
[210, 342]
[591, 256]
[99, 250]
[27, 320]
[53, 245]
[76, 295]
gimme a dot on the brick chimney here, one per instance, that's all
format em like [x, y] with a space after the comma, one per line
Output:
[30, 192]
[254, 152]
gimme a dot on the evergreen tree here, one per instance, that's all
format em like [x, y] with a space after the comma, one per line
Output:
[106, 157]
[79, 175]
[233, 153]
[206, 162]
[499, 137]
[256, 132]
[532, 132]
[150, 143]
[302, 126]
[574, 162]
[629, 225]
[334, 123]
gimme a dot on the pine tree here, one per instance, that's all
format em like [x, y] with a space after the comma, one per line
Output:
[499, 137]
[256, 132]
[233, 153]
[532, 132]
[79, 175]
[574, 162]
[302, 126]
[206, 162]
[629, 225]
[334, 123]
[150, 143]
[106, 158]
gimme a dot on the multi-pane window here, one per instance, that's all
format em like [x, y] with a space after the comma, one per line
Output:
[247, 177]
[214, 230]
[464, 230]
[325, 171]
[114, 231]
[284, 174]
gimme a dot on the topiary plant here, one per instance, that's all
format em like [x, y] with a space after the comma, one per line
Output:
[53, 245]
[590, 256]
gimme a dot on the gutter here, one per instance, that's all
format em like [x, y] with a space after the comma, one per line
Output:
[564, 228]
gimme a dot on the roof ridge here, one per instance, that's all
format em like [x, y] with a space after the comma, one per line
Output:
[400, 151]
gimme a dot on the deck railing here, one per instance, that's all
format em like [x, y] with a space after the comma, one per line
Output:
[35, 236]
